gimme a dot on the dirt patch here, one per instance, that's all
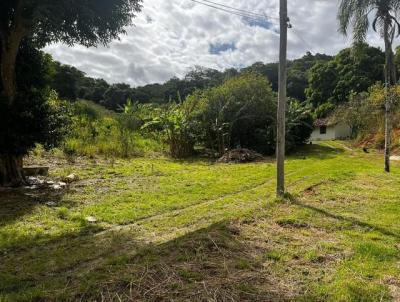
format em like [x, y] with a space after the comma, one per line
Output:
[240, 156]
[394, 287]
[312, 190]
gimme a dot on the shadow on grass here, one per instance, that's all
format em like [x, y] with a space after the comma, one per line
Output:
[316, 151]
[15, 203]
[209, 264]
[353, 221]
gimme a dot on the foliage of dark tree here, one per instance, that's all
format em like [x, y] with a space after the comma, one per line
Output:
[353, 70]
[242, 113]
[35, 117]
[298, 73]
[66, 81]
[88, 22]
[323, 80]
[93, 89]
[116, 96]
[197, 78]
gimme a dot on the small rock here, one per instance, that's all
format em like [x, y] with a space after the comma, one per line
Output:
[51, 204]
[33, 187]
[35, 180]
[70, 178]
[91, 219]
[58, 186]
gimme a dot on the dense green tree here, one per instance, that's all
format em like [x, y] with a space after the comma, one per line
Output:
[66, 81]
[197, 78]
[93, 89]
[35, 117]
[270, 71]
[242, 113]
[88, 22]
[298, 73]
[116, 96]
[353, 70]
[322, 83]
[356, 14]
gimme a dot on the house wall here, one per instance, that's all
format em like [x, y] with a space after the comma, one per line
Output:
[342, 131]
[339, 131]
[317, 136]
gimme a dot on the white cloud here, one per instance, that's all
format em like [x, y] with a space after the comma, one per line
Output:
[169, 37]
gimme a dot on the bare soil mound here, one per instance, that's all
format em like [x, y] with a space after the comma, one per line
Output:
[240, 156]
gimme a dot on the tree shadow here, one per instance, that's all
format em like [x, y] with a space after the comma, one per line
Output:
[316, 151]
[209, 264]
[353, 221]
[17, 202]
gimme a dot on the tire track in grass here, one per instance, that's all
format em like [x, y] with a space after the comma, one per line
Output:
[177, 212]
[147, 235]
[161, 228]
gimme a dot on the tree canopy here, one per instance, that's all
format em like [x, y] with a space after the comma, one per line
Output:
[88, 22]
[352, 70]
[41, 22]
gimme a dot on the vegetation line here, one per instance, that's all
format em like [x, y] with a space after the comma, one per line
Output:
[180, 210]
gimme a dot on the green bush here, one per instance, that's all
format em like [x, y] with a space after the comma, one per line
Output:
[177, 125]
[242, 113]
[97, 131]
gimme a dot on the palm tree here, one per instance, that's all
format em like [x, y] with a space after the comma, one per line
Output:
[357, 14]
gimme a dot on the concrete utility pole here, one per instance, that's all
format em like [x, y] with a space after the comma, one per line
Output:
[281, 116]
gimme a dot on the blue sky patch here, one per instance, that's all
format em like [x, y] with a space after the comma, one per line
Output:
[264, 23]
[218, 48]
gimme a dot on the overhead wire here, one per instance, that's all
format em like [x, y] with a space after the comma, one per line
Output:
[234, 11]
[306, 44]
[240, 10]
[251, 16]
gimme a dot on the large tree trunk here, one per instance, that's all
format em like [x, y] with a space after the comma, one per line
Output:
[388, 84]
[9, 52]
[11, 173]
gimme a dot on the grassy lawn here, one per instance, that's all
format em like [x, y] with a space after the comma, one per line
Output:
[198, 231]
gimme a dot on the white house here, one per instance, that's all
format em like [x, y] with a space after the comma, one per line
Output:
[325, 130]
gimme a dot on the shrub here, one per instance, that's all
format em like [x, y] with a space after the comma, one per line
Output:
[97, 131]
[177, 124]
[242, 113]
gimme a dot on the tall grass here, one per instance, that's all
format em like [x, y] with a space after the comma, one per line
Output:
[97, 131]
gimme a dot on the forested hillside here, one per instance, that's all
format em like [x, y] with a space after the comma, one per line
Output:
[322, 80]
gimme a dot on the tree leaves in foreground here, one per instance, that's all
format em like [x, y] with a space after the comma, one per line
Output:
[89, 23]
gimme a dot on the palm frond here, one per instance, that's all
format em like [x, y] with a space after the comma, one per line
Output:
[355, 15]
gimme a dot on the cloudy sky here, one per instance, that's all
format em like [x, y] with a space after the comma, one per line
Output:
[170, 37]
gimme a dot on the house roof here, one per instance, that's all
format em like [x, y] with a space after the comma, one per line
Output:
[321, 122]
